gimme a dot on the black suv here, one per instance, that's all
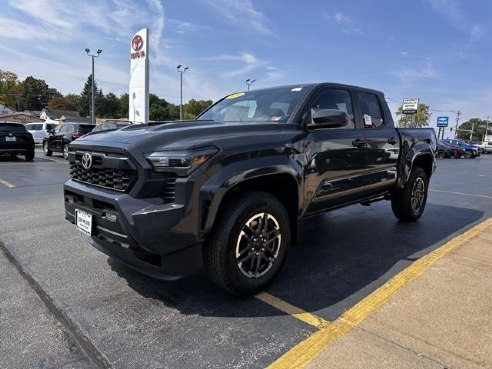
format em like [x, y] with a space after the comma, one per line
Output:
[14, 140]
[59, 139]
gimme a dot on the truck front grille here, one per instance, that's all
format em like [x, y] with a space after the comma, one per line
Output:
[108, 170]
[116, 179]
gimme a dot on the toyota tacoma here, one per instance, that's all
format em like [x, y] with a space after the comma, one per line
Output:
[228, 190]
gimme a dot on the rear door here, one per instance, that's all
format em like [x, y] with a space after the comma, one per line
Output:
[382, 142]
[335, 156]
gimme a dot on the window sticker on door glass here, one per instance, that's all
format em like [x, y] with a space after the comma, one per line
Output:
[367, 120]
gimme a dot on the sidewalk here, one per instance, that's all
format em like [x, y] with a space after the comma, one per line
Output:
[442, 319]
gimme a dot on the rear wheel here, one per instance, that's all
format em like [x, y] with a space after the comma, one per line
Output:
[30, 155]
[248, 244]
[46, 149]
[408, 203]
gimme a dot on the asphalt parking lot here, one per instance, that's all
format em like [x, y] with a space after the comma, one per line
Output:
[65, 304]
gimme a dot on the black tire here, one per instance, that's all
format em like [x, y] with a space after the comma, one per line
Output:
[46, 149]
[29, 156]
[234, 235]
[65, 151]
[408, 204]
[468, 155]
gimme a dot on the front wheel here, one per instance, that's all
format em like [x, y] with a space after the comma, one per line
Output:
[248, 244]
[408, 203]
[65, 151]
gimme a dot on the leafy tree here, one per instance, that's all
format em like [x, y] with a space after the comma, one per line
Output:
[477, 125]
[100, 103]
[418, 120]
[10, 89]
[84, 106]
[109, 106]
[173, 112]
[158, 113]
[194, 107]
[61, 103]
[124, 101]
[35, 94]
[53, 92]
[73, 98]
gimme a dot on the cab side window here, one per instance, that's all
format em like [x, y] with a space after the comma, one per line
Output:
[372, 115]
[333, 99]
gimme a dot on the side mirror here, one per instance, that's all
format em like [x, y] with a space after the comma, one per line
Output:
[329, 118]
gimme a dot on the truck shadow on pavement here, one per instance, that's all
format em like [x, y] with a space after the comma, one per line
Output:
[341, 258]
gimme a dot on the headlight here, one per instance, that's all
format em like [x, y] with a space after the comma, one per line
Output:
[180, 162]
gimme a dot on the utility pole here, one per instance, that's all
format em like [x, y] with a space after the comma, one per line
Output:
[457, 120]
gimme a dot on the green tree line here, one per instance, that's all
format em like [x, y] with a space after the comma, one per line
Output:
[34, 94]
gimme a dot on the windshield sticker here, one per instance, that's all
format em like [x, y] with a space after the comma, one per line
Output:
[236, 95]
[296, 89]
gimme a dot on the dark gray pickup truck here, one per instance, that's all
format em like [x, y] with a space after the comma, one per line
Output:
[228, 190]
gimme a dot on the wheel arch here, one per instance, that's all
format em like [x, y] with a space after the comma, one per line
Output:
[282, 185]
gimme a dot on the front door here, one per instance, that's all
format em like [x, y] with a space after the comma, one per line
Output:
[334, 173]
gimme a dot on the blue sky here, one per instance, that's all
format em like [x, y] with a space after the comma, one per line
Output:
[438, 50]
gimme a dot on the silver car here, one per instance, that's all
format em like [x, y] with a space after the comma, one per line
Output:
[38, 130]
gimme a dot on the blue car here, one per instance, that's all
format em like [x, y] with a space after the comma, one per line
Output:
[470, 150]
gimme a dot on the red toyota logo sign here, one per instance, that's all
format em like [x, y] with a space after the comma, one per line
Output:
[137, 42]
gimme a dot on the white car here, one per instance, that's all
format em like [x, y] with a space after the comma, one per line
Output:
[38, 130]
[486, 147]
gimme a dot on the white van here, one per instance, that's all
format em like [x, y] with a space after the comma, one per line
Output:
[38, 130]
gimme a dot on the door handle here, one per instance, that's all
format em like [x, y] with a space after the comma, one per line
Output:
[358, 143]
[392, 141]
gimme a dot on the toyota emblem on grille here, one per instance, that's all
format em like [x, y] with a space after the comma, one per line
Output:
[87, 161]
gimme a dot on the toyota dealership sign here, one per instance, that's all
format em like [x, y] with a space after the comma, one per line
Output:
[138, 98]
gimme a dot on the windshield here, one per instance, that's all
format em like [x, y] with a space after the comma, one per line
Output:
[269, 105]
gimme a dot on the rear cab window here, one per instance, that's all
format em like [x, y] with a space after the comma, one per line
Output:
[370, 110]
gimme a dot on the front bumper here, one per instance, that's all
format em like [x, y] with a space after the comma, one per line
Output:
[145, 234]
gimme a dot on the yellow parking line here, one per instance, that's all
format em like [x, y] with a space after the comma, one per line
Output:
[5, 183]
[292, 310]
[305, 351]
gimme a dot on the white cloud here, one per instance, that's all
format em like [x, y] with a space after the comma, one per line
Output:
[241, 14]
[427, 71]
[14, 29]
[182, 27]
[345, 21]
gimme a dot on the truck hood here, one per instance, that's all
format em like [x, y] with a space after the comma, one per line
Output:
[184, 135]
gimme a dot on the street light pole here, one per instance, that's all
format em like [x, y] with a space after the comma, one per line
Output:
[181, 70]
[93, 99]
[249, 82]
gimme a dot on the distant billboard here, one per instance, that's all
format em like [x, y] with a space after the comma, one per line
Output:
[442, 121]
[410, 105]
[138, 98]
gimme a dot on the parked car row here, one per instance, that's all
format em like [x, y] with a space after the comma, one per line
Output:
[453, 148]
[57, 140]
